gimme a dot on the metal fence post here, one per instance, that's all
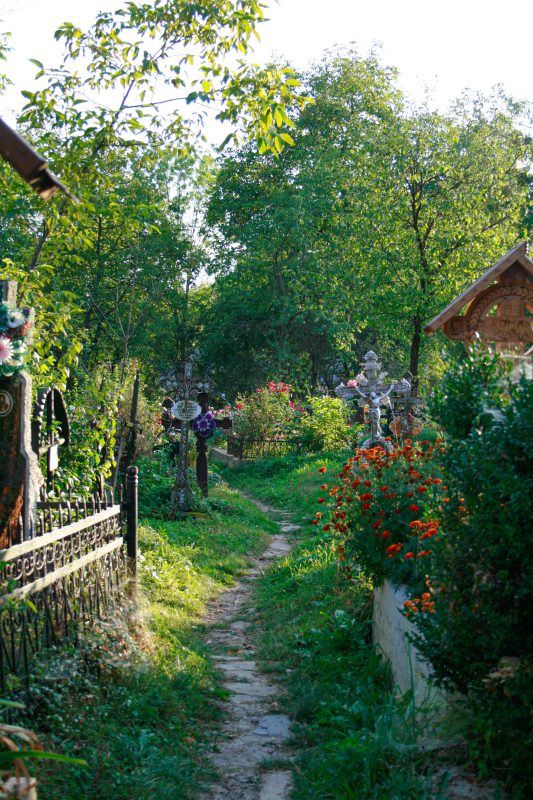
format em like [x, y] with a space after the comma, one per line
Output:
[132, 484]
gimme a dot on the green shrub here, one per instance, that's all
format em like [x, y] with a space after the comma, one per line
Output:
[479, 637]
[325, 426]
[268, 413]
[383, 509]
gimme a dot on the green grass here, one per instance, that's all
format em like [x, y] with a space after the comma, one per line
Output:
[355, 737]
[291, 483]
[137, 701]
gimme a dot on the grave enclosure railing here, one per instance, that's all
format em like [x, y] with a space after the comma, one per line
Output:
[64, 574]
[246, 448]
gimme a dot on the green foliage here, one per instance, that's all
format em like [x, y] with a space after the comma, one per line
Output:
[383, 511]
[479, 638]
[151, 70]
[92, 413]
[325, 426]
[268, 413]
[358, 235]
[57, 340]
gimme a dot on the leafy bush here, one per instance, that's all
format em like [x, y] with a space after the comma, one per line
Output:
[383, 509]
[479, 637]
[267, 414]
[325, 427]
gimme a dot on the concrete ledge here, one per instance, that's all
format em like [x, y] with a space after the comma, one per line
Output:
[390, 631]
[223, 457]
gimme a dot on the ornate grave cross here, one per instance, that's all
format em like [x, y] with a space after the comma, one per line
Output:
[372, 389]
[184, 410]
[20, 477]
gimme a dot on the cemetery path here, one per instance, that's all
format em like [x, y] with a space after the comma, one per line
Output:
[254, 733]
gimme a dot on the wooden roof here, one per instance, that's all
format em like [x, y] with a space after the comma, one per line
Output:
[517, 255]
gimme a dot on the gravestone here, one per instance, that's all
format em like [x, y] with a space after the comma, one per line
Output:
[20, 476]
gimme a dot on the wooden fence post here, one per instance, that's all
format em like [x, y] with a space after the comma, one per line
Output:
[132, 484]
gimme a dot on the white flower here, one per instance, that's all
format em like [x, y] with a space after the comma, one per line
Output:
[6, 350]
[15, 319]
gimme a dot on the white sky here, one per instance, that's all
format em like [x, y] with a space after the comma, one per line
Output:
[446, 45]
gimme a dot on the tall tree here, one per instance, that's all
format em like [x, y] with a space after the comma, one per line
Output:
[380, 213]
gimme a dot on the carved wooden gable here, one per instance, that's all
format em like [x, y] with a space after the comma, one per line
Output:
[498, 307]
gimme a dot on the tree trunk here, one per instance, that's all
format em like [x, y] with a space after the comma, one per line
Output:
[414, 357]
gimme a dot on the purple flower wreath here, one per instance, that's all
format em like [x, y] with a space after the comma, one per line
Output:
[204, 424]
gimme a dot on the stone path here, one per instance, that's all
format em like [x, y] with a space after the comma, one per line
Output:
[254, 732]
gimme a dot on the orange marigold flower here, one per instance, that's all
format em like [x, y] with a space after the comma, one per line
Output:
[392, 549]
[324, 486]
[415, 523]
[318, 514]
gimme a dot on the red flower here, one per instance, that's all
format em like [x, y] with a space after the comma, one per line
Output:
[326, 527]
[421, 489]
[321, 500]
[413, 507]
[366, 496]
[392, 549]
[322, 469]
[324, 486]
[368, 483]
[385, 534]
[408, 555]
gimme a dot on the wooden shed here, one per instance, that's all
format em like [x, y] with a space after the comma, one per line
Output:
[497, 307]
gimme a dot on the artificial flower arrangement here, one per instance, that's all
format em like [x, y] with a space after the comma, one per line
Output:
[204, 424]
[14, 328]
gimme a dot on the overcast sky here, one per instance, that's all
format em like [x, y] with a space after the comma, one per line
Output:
[446, 45]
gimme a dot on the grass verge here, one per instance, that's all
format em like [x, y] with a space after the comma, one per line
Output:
[136, 701]
[355, 736]
[291, 483]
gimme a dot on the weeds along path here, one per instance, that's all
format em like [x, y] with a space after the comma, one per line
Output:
[251, 752]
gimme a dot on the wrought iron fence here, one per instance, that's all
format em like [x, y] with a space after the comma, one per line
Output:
[261, 448]
[67, 572]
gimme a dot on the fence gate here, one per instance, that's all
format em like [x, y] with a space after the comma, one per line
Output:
[63, 563]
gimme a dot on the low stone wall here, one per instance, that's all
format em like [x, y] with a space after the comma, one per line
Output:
[390, 633]
[223, 457]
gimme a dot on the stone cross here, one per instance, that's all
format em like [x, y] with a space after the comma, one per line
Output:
[372, 389]
[20, 476]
